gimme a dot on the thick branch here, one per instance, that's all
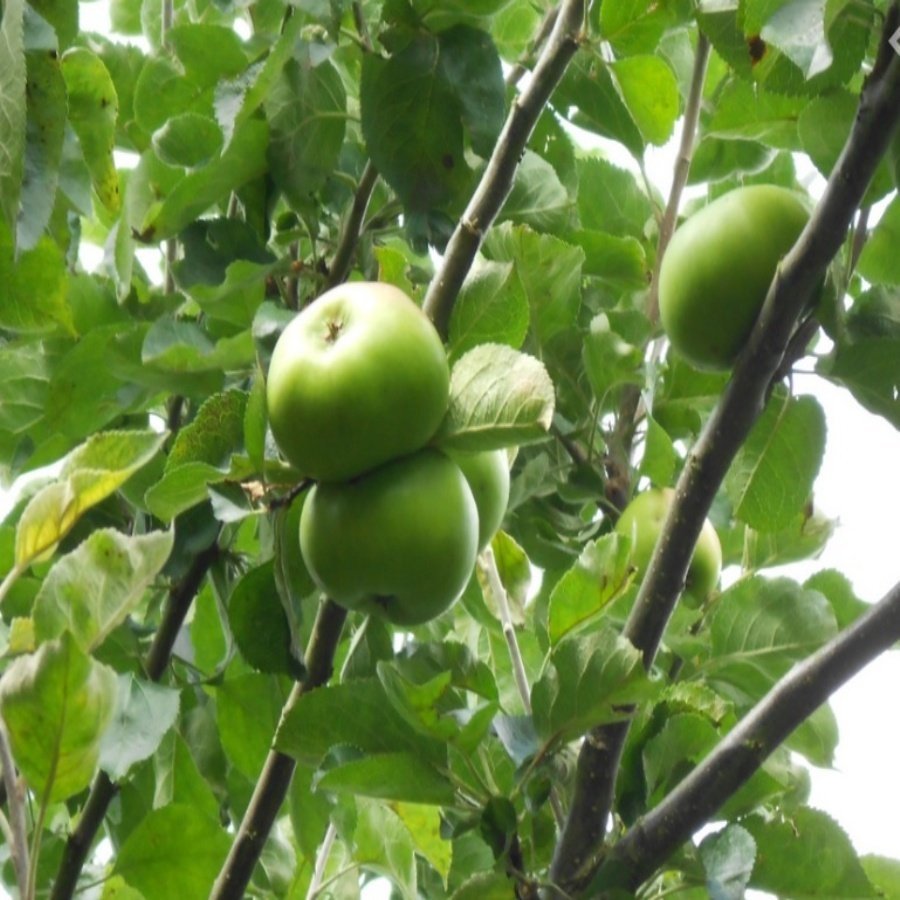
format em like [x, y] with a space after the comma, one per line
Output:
[497, 179]
[653, 838]
[275, 779]
[580, 849]
[103, 790]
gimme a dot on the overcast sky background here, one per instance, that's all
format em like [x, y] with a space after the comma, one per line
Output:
[859, 484]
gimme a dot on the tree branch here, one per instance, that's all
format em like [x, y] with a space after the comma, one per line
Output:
[104, 789]
[654, 837]
[579, 851]
[497, 179]
[278, 770]
[343, 256]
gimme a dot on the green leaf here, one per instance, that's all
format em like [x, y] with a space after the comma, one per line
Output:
[248, 709]
[619, 260]
[44, 135]
[144, 713]
[538, 198]
[259, 624]
[33, 300]
[798, 29]
[608, 359]
[424, 826]
[470, 67]
[759, 628]
[751, 113]
[771, 478]
[870, 369]
[57, 703]
[610, 200]
[823, 127]
[91, 590]
[650, 92]
[116, 888]
[728, 857]
[549, 271]
[412, 124]
[884, 874]
[181, 488]
[588, 681]
[243, 159]
[89, 474]
[878, 262]
[93, 108]
[383, 844]
[837, 588]
[498, 398]
[178, 780]
[806, 855]
[389, 776]
[660, 459]
[188, 139]
[358, 714]
[306, 109]
[633, 26]
[214, 434]
[13, 75]
[175, 851]
[680, 744]
[598, 578]
[491, 308]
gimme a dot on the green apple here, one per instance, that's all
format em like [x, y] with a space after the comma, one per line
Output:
[401, 539]
[718, 267]
[359, 377]
[642, 520]
[488, 475]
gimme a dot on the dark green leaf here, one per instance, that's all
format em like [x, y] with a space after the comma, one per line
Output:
[878, 262]
[871, 370]
[306, 109]
[610, 200]
[259, 625]
[13, 75]
[189, 139]
[538, 197]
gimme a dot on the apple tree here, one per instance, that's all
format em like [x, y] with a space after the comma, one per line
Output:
[186, 713]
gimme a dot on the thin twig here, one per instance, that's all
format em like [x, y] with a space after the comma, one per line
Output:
[654, 837]
[682, 167]
[580, 849]
[324, 852]
[497, 180]
[18, 840]
[515, 74]
[343, 256]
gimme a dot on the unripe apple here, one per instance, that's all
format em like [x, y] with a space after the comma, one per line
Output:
[642, 520]
[718, 267]
[488, 475]
[359, 377]
[400, 540]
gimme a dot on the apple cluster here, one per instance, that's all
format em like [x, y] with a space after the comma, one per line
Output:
[357, 387]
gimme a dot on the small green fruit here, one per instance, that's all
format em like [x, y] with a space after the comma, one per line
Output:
[642, 520]
[718, 267]
[401, 539]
